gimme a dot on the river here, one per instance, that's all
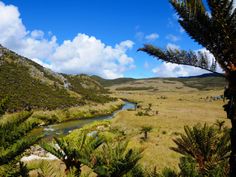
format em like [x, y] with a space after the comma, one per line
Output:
[66, 127]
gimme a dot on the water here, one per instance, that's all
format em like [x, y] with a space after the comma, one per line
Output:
[66, 127]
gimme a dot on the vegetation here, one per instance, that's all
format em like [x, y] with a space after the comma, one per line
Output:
[202, 83]
[105, 158]
[110, 82]
[115, 160]
[30, 86]
[73, 154]
[205, 150]
[14, 139]
[84, 84]
[217, 33]
[134, 88]
[145, 130]
[26, 92]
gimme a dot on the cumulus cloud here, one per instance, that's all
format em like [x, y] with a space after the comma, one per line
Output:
[86, 54]
[174, 70]
[14, 35]
[83, 54]
[152, 37]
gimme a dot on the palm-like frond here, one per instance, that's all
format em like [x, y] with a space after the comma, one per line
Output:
[73, 154]
[14, 137]
[215, 31]
[183, 57]
[47, 170]
[14, 140]
[9, 154]
[115, 160]
[205, 144]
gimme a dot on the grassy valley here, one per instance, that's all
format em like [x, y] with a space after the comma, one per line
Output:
[164, 107]
[168, 106]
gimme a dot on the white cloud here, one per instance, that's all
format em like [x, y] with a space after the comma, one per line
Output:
[234, 3]
[86, 54]
[37, 34]
[83, 54]
[172, 37]
[174, 70]
[14, 35]
[171, 46]
[152, 37]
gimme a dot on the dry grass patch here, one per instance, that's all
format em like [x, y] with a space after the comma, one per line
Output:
[175, 109]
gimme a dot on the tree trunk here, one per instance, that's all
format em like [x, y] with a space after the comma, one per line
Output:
[145, 135]
[230, 108]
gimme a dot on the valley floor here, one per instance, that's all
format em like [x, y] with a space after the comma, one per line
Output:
[164, 106]
[167, 111]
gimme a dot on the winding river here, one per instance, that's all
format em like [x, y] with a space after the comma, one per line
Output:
[66, 127]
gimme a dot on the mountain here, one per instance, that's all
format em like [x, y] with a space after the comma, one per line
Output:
[29, 85]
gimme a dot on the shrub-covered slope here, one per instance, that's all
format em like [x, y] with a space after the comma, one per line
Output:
[29, 85]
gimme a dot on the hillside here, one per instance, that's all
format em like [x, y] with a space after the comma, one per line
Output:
[29, 85]
[110, 82]
[201, 82]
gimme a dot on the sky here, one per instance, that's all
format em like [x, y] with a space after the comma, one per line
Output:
[95, 37]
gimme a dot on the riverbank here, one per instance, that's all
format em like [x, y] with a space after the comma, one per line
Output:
[82, 112]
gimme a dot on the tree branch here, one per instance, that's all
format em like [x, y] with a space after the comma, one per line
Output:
[182, 57]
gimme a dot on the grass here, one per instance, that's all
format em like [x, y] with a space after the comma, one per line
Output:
[85, 111]
[171, 109]
[179, 108]
[134, 88]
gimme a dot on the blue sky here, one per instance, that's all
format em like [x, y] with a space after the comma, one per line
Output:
[95, 36]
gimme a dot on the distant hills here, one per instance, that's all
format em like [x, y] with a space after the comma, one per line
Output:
[110, 82]
[203, 75]
[202, 82]
[29, 85]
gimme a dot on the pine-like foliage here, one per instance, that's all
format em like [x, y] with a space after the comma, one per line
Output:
[14, 139]
[205, 148]
[215, 31]
[73, 154]
[114, 159]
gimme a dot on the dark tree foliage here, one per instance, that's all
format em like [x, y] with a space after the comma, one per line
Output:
[216, 31]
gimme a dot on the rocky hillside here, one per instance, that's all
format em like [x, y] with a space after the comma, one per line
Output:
[29, 85]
